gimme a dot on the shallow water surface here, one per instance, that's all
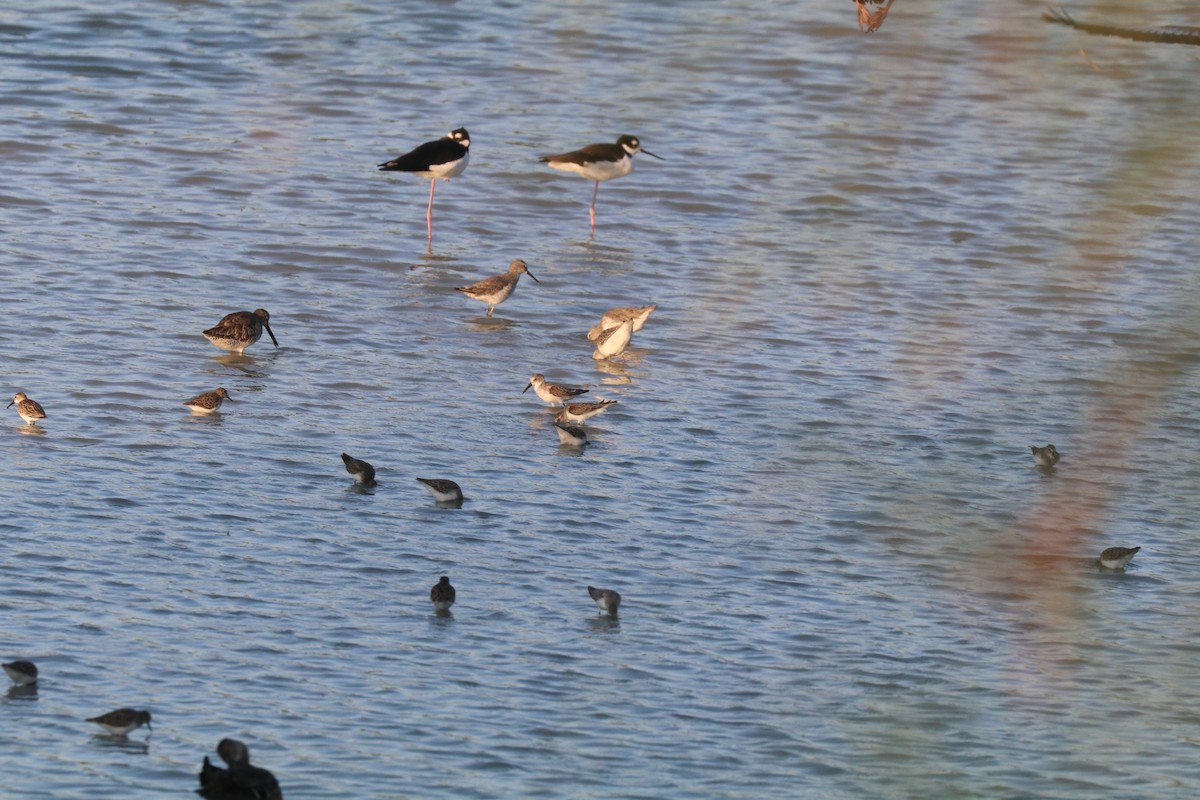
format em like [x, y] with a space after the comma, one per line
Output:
[885, 265]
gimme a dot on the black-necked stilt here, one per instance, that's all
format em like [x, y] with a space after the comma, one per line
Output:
[599, 162]
[443, 158]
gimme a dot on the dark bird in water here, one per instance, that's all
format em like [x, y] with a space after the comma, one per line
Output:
[1116, 558]
[239, 330]
[1044, 456]
[23, 673]
[443, 491]
[606, 599]
[442, 594]
[442, 158]
[241, 780]
[122, 721]
[361, 471]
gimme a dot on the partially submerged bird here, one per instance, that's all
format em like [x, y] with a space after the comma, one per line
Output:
[361, 471]
[1044, 456]
[22, 673]
[1117, 557]
[615, 316]
[613, 341]
[580, 412]
[551, 392]
[241, 780]
[496, 289]
[442, 158]
[570, 435]
[442, 594]
[599, 162]
[122, 721]
[443, 491]
[607, 600]
[29, 410]
[239, 330]
[208, 402]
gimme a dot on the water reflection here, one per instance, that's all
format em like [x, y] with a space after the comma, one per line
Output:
[605, 624]
[31, 430]
[27, 692]
[484, 324]
[119, 741]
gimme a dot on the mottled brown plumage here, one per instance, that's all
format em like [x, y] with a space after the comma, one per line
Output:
[208, 402]
[496, 289]
[239, 330]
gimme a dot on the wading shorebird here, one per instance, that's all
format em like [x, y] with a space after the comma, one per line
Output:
[22, 673]
[443, 491]
[122, 721]
[496, 289]
[443, 158]
[608, 600]
[615, 316]
[241, 781]
[442, 594]
[551, 393]
[1044, 456]
[29, 410]
[599, 162]
[361, 471]
[570, 435]
[239, 330]
[208, 402]
[580, 412]
[613, 341]
[1115, 558]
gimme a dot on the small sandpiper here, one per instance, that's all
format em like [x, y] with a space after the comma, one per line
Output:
[496, 289]
[240, 780]
[615, 316]
[552, 393]
[443, 158]
[606, 599]
[581, 412]
[442, 594]
[209, 402]
[361, 471]
[443, 491]
[29, 410]
[239, 330]
[23, 673]
[1116, 558]
[599, 162]
[122, 721]
[1044, 456]
[613, 341]
[570, 435]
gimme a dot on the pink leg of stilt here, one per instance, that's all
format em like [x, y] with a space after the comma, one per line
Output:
[429, 211]
[592, 210]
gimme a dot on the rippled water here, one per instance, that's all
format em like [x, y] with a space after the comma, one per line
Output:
[885, 265]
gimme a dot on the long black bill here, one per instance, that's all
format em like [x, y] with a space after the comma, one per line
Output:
[274, 341]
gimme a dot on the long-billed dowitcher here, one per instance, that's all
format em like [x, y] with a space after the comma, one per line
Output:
[579, 412]
[570, 435]
[613, 341]
[122, 721]
[29, 410]
[241, 781]
[443, 158]
[615, 316]
[599, 162]
[361, 471]
[208, 402]
[443, 491]
[22, 673]
[608, 600]
[442, 594]
[1044, 456]
[551, 393]
[239, 330]
[1117, 557]
[496, 289]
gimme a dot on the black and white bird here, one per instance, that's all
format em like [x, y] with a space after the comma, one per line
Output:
[599, 162]
[442, 594]
[443, 158]
[241, 780]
